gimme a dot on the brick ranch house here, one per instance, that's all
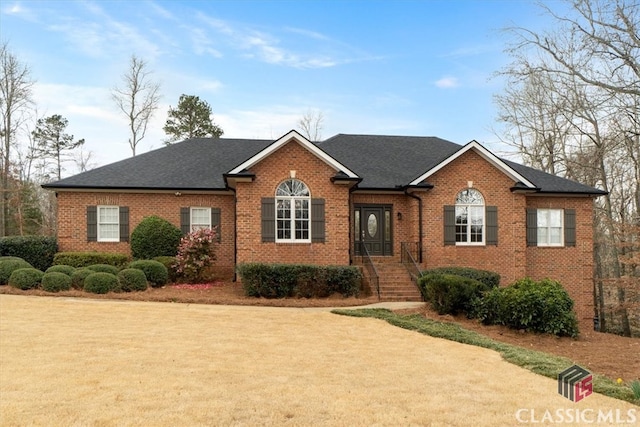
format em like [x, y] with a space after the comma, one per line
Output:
[295, 201]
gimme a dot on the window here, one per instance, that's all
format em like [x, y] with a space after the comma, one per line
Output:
[549, 225]
[469, 213]
[200, 218]
[108, 223]
[292, 212]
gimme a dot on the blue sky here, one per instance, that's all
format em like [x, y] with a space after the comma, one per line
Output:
[371, 67]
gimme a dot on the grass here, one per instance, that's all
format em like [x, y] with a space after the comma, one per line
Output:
[538, 362]
[80, 361]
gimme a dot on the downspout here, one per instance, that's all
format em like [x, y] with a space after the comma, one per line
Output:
[235, 233]
[406, 191]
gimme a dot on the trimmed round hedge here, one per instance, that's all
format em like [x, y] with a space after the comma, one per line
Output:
[65, 269]
[55, 281]
[155, 236]
[132, 279]
[26, 278]
[104, 268]
[100, 283]
[8, 266]
[450, 293]
[155, 272]
[78, 276]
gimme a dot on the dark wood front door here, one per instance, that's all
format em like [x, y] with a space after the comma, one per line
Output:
[373, 229]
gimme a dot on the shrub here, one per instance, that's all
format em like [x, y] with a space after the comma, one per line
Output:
[196, 253]
[287, 280]
[104, 268]
[78, 276]
[100, 283]
[169, 262]
[132, 279]
[36, 250]
[65, 269]
[154, 237]
[8, 266]
[56, 281]
[489, 278]
[543, 306]
[451, 294]
[85, 259]
[25, 278]
[155, 272]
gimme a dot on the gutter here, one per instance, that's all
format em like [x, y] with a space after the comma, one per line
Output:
[420, 226]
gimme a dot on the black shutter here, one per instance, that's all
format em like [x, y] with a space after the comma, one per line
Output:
[317, 221]
[268, 219]
[569, 227]
[215, 222]
[449, 225]
[532, 227]
[92, 223]
[124, 223]
[185, 220]
[492, 225]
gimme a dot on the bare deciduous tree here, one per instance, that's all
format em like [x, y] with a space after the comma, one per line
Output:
[572, 108]
[310, 125]
[138, 99]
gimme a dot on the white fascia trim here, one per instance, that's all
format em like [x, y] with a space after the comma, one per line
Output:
[485, 154]
[302, 141]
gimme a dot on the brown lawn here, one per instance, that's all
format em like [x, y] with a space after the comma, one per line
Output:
[81, 361]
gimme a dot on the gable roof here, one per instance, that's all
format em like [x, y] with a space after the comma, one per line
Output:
[485, 154]
[379, 162]
[305, 143]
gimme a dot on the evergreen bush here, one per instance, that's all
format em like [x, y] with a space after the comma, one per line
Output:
[101, 283]
[55, 281]
[66, 269]
[451, 294]
[38, 251]
[153, 237]
[8, 266]
[489, 278]
[170, 263]
[78, 276]
[132, 279]
[25, 278]
[85, 259]
[538, 306]
[104, 268]
[155, 272]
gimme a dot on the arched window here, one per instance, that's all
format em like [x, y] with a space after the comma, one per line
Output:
[470, 217]
[292, 211]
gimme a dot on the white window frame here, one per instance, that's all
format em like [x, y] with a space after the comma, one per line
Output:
[199, 225]
[100, 224]
[291, 198]
[478, 211]
[547, 240]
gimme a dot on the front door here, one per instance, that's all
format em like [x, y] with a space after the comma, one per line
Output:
[373, 229]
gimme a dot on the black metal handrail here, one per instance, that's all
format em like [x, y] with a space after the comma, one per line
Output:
[374, 279]
[407, 251]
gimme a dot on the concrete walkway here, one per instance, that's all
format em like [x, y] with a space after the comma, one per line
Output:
[391, 305]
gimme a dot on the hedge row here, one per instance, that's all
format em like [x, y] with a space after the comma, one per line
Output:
[85, 259]
[36, 250]
[291, 280]
[489, 278]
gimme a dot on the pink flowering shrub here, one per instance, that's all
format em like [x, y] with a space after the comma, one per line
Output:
[196, 254]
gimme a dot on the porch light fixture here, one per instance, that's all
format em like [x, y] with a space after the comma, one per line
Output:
[178, 194]
[399, 214]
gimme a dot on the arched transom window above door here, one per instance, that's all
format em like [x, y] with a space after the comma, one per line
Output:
[292, 211]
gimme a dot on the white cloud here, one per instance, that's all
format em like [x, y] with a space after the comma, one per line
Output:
[447, 82]
[17, 9]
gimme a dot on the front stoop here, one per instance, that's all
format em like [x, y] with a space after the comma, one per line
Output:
[395, 283]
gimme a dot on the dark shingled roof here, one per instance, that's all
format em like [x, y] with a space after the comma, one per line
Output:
[383, 162]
